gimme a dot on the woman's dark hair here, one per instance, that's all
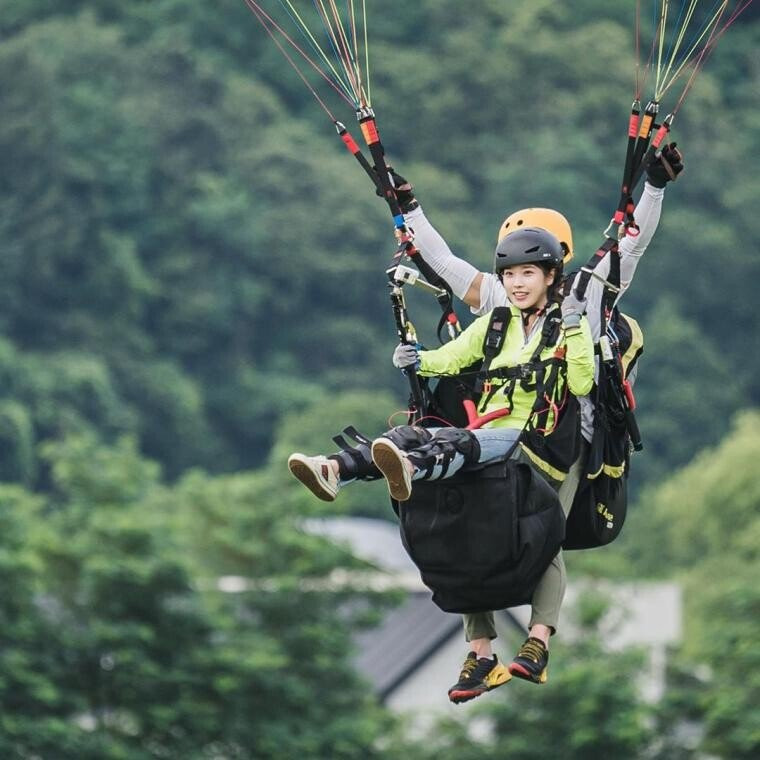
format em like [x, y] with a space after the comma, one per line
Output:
[554, 293]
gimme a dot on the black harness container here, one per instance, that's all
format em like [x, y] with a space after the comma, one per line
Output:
[598, 512]
[600, 503]
[483, 538]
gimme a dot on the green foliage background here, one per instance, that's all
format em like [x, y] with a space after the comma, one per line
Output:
[193, 286]
[175, 213]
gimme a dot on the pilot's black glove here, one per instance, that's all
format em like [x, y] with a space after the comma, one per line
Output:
[664, 165]
[404, 191]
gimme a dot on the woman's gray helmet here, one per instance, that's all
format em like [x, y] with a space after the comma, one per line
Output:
[531, 245]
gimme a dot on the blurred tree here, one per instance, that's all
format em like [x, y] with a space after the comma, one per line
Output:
[703, 524]
[726, 616]
[118, 642]
[30, 696]
[17, 459]
[706, 509]
[170, 195]
[683, 372]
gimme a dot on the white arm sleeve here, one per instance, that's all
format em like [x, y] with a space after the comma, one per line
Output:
[492, 294]
[457, 272]
[631, 250]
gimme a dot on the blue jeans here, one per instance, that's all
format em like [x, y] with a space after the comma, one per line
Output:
[494, 443]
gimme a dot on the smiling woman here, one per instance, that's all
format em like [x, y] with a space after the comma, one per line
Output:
[526, 285]
[529, 262]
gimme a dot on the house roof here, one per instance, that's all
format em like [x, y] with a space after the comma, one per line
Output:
[407, 635]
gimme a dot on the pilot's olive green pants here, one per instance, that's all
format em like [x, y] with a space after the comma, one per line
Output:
[547, 598]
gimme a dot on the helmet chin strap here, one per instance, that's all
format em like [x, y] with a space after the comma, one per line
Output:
[527, 313]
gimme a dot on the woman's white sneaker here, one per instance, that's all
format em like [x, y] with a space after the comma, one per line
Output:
[317, 474]
[391, 461]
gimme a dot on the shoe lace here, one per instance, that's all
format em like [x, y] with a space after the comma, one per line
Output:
[532, 649]
[483, 668]
[470, 664]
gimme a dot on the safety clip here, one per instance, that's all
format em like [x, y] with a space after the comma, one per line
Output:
[606, 283]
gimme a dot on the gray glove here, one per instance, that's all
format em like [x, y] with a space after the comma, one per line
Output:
[405, 356]
[571, 320]
[571, 313]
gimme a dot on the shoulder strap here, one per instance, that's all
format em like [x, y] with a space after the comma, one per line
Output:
[549, 337]
[608, 346]
[611, 284]
[549, 331]
[493, 342]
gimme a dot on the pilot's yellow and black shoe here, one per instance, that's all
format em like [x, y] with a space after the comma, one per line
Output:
[479, 675]
[531, 661]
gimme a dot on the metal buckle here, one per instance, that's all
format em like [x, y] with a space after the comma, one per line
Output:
[601, 279]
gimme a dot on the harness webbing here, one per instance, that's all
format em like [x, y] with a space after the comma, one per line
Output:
[354, 434]
[608, 348]
[521, 372]
[493, 342]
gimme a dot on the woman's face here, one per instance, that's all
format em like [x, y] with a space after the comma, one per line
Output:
[527, 285]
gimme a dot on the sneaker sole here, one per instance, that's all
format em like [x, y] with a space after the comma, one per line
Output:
[386, 456]
[519, 671]
[457, 696]
[310, 479]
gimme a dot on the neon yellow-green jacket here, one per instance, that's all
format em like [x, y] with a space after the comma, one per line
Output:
[452, 357]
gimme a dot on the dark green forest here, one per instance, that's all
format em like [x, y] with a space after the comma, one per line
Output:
[193, 287]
